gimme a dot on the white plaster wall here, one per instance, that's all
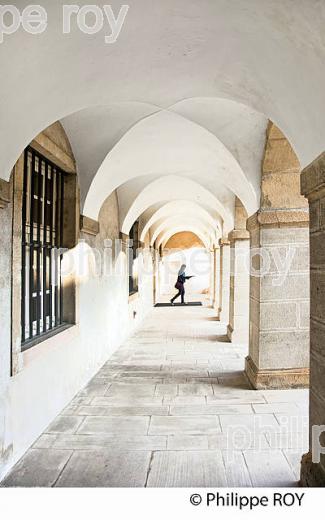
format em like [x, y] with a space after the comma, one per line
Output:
[239, 128]
[165, 143]
[56, 369]
[96, 130]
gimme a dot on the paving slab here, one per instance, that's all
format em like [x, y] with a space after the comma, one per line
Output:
[38, 468]
[170, 425]
[95, 425]
[197, 469]
[269, 469]
[106, 468]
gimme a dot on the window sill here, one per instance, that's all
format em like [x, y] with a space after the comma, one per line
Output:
[62, 336]
[133, 296]
[43, 337]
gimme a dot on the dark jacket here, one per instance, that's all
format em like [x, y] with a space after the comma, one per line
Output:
[181, 279]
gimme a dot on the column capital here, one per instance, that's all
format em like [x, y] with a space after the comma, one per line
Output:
[278, 218]
[238, 234]
[5, 197]
[224, 242]
[313, 179]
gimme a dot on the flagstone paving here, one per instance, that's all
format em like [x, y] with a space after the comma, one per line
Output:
[172, 408]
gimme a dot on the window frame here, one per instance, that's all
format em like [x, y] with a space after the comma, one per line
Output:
[45, 234]
[134, 245]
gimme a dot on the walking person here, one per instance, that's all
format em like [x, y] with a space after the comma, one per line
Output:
[181, 279]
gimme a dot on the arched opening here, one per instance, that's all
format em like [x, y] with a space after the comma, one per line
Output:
[128, 259]
[185, 248]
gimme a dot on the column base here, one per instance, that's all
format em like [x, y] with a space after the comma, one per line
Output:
[311, 475]
[229, 331]
[276, 378]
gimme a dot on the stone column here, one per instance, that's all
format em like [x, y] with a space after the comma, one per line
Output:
[237, 329]
[5, 321]
[279, 282]
[313, 186]
[212, 278]
[216, 295]
[156, 260]
[238, 326]
[224, 280]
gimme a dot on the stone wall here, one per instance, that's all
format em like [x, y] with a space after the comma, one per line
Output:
[5, 318]
[313, 186]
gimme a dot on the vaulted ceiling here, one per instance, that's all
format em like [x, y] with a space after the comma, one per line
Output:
[176, 109]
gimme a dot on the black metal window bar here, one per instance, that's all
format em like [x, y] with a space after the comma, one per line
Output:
[42, 227]
[133, 275]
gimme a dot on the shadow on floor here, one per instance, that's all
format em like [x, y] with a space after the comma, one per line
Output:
[187, 304]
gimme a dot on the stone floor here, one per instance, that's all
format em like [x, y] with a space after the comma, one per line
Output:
[172, 408]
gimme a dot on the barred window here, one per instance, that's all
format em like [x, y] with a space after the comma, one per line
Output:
[42, 228]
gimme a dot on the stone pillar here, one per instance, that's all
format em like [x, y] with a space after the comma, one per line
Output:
[5, 321]
[17, 182]
[156, 260]
[237, 329]
[279, 282]
[216, 262]
[313, 186]
[224, 280]
[238, 326]
[212, 279]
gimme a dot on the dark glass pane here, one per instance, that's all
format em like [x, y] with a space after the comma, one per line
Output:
[34, 268]
[42, 204]
[47, 265]
[34, 308]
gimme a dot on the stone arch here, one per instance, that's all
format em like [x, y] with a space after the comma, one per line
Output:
[176, 207]
[169, 223]
[185, 240]
[169, 188]
[202, 233]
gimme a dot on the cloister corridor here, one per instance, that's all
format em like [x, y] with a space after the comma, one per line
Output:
[186, 155]
[172, 408]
